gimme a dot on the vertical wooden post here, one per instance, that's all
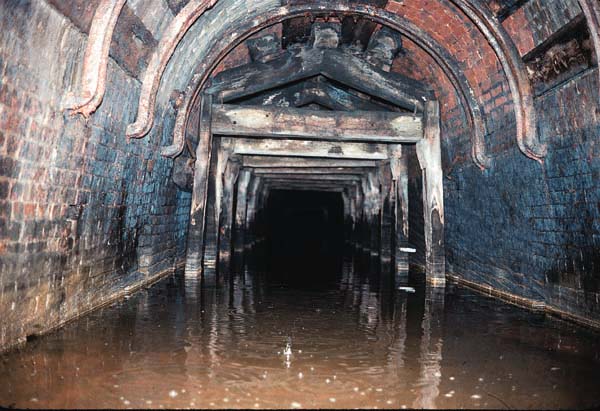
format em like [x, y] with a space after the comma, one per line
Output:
[225, 220]
[195, 241]
[240, 210]
[429, 154]
[347, 215]
[374, 206]
[388, 198]
[251, 211]
[399, 169]
[215, 196]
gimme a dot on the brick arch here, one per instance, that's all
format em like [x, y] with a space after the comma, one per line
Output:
[252, 25]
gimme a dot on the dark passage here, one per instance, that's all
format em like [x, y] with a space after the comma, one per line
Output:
[304, 237]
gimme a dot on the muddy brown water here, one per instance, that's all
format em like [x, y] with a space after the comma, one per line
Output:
[355, 342]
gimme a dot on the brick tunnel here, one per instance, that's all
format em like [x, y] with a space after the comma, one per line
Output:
[306, 204]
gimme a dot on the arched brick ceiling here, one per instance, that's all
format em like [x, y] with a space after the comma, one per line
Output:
[209, 37]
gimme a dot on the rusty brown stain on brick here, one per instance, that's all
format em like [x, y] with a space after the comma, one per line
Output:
[95, 62]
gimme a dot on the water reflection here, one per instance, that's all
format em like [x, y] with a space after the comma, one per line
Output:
[354, 340]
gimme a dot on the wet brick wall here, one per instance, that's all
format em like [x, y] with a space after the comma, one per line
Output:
[84, 215]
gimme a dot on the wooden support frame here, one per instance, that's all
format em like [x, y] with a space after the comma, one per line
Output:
[381, 199]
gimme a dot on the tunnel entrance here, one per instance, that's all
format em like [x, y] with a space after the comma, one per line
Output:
[304, 236]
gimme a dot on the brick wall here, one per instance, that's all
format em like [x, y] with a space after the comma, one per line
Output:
[84, 215]
[525, 228]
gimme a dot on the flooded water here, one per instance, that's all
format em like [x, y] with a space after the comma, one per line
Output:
[261, 340]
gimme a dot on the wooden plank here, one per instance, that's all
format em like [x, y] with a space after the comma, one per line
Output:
[313, 170]
[309, 149]
[294, 162]
[311, 177]
[283, 122]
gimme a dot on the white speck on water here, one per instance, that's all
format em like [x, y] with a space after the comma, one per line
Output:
[403, 406]
[225, 399]
[362, 393]
[476, 396]
[121, 398]
[172, 393]
[125, 402]
[183, 390]
[327, 380]
[332, 399]
[34, 399]
[256, 405]
[378, 389]
[554, 368]
[115, 385]
[212, 404]
[501, 357]
[148, 402]
[300, 375]
[335, 377]
[480, 379]
[389, 402]
[355, 389]
[312, 368]
[452, 378]
[299, 351]
[296, 405]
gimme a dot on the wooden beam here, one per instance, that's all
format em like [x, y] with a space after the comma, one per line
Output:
[309, 149]
[352, 71]
[289, 162]
[316, 171]
[317, 90]
[311, 177]
[282, 122]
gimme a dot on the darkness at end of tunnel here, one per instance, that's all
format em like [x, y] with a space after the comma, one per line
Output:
[304, 237]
